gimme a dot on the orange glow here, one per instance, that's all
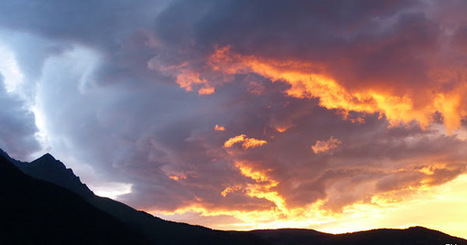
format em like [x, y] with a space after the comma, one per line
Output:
[449, 107]
[174, 177]
[208, 90]
[177, 178]
[232, 141]
[307, 80]
[281, 130]
[187, 79]
[231, 189]
[247, 143]
[253, 143]
[219, 128]
[447, 201]
[282, 216]
[247, 171]
[262, 187]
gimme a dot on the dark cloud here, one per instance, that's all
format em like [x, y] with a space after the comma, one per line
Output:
[388, 47]
[103, 23]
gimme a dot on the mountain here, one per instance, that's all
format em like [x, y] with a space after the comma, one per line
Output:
[38, 212]
[49, 169]
[159, 231]
[8, 158]
[413, 236]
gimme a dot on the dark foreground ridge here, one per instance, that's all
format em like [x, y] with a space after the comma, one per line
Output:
[34, 211]
[413, 235]
[38, 212]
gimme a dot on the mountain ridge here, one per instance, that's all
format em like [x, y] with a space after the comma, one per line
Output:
[33, 211]
[52, 170]
[390, 236]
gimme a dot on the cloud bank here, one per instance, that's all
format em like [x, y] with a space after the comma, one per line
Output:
[251, 112]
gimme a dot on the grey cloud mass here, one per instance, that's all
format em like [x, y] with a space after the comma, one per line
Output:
[17, 131]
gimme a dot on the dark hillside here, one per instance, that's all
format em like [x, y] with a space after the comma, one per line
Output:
[410, 236]
[36, 212]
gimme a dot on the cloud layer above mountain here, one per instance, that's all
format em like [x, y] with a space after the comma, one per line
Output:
[245, 111]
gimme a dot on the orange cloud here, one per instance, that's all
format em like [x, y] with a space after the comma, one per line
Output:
[263, 186]
[444, 200]
[219, 128]
[281, 129]
[177, 178]
[309, 80]
[317, 216]
[230, 189]
[253, 143]
[325, 146]
[232, 141]
[247, 143]
[187, 79]
[248, 171]
[185, 76]
[206, 90]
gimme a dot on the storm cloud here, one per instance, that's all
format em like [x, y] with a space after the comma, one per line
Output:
[242, 110]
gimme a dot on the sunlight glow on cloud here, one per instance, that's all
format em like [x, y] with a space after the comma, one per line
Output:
[112, 189]
[10, 70]
[408, 211]
[177, 178]
[247, 143]
[306, 83]
[219, 128]
[188, 79]
[262, 187]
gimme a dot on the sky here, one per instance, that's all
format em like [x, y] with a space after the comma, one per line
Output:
[330, 115]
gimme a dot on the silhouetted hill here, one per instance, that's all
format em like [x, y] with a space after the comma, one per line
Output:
[166, 232]
[37, 212]
[411, 236]
[7, 157]
[159, 231]
[293, 236]
[49, 169]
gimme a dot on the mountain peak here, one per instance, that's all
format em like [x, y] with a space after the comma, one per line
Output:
[47, 156]
[50, 169]
[48, 160]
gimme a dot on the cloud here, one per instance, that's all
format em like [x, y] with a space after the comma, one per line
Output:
[219, 128]
[369, 70]
[358, 80]
[128, 94]
[325, 146]
[247, 143]
[234, 140]
[18, 129]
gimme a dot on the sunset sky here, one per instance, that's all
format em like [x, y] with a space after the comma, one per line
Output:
[244, 114]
